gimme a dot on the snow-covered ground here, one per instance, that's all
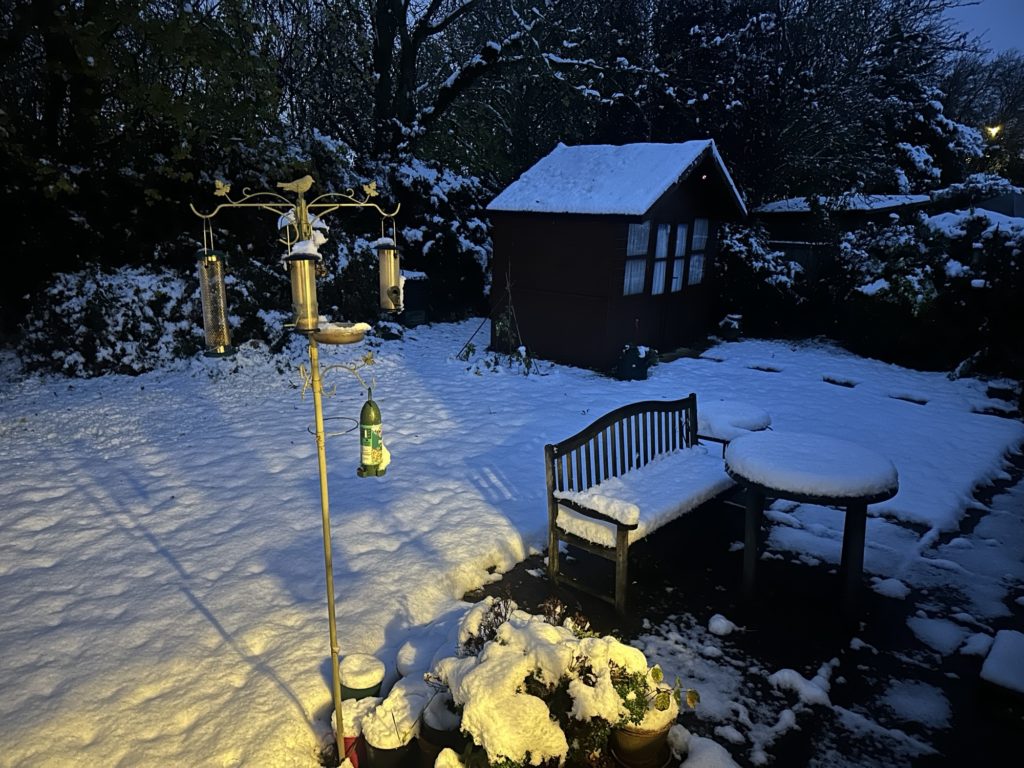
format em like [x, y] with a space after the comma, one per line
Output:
[161, 570]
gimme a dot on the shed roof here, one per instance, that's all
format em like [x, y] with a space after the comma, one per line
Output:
[852, 202]
[608, 179]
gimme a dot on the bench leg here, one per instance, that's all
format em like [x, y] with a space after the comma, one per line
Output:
[553, 554]
[621, 569]
[751, 541]
[851, 567]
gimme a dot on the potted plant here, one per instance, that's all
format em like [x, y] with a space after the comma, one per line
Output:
[390, 728]
[440, 727]
[640, 737]
[353, 712]
[538, 693]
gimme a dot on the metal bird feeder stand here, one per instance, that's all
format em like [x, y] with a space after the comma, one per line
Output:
[301, 221]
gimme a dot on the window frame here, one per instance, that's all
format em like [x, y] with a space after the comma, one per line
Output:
[698, 255]
[659, 268]
[680, 254]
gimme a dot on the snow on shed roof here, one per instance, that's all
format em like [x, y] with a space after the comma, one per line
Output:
[603, 178]
[844, 203]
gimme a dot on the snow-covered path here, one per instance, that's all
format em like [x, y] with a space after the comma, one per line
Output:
[161, 570]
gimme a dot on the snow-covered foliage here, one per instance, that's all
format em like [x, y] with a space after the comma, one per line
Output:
[124, 321]
[755, 280]
[948, 282]
[535, 691]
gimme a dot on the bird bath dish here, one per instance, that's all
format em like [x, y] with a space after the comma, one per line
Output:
[341, 333]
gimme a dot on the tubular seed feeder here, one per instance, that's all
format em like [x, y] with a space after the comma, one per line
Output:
[215, 303]
[301, 223]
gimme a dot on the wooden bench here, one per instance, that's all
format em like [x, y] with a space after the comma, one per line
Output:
[627, 474]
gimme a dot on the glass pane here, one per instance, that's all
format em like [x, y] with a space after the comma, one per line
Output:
[677, 275]
[661, 242]
[696, 268]
[682, 230]
[658, 277]
[639, 234]
[700, 234]
[636, 270]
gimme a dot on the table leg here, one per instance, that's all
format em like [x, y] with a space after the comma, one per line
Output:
[851, 568]
[752, 536]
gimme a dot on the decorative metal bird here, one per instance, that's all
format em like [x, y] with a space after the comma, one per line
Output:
[221, 188]
[370, 190]
[300, 186]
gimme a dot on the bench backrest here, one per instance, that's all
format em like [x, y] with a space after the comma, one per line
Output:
[624, 439]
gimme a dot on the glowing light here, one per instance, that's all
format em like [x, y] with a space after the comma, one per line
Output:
[993, 130]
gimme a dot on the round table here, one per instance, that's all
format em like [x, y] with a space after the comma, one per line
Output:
[813, 469]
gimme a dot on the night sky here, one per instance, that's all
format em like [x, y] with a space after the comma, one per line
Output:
[999, 22]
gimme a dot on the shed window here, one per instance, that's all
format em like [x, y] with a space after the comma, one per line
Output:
[660, 259]
[679, 257]
[636, 258]
[697, 257]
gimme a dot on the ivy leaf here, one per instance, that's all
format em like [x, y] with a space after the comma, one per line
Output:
[692, 698]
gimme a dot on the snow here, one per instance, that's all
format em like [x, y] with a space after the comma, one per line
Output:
[607, 179]
[941, 635]
[1004, 665]
[361, 670]
[660, 491]
[918, 702]
[161, 560]
[891, 587]
[851, 202]
[721, 626]
[953, 223]
[728, 419]
[811, 465]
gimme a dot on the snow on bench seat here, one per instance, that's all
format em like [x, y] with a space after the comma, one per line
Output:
[657, 493]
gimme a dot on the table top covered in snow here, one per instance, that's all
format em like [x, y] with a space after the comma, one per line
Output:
[809, 467]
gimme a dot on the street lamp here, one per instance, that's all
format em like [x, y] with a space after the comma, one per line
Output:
[301, 221]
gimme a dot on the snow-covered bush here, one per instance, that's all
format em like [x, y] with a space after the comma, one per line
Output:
[533, 692]
[445, 235]
[130, 320]
[127, 320]
[756, 281]
[936, 291]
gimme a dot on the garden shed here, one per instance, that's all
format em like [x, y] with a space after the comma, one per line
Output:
[597, 247]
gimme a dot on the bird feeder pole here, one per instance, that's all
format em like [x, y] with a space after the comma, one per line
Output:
[300, 220]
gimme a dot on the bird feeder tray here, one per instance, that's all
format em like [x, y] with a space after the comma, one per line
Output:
[341, 333]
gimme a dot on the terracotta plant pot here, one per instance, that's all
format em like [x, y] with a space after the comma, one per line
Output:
[638, 748]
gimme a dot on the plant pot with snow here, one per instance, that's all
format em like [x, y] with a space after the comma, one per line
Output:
[361, 676]
[640, 738]
[389, 730]
[440, 727]
[352, 742]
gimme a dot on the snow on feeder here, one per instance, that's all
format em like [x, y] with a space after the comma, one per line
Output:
[215, 303]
